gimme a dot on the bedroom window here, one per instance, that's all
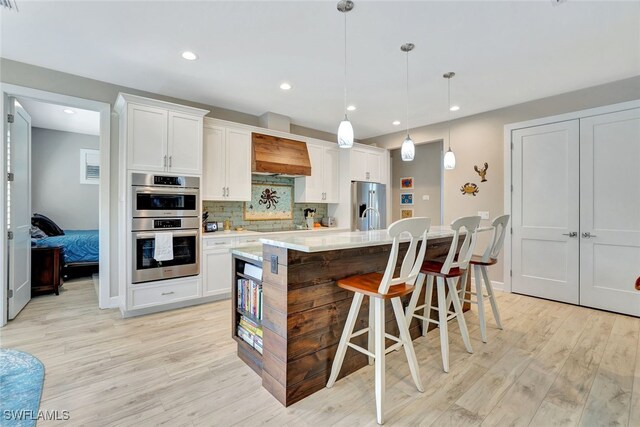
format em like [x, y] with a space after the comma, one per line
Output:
[89, 166]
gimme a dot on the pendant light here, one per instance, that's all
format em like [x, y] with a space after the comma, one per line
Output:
[408, 150]
[449, 157]
[345, 130]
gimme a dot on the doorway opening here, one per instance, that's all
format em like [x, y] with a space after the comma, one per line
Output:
[65, 173]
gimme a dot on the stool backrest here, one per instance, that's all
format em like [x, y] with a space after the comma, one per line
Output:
[418, 229]
[470, 225]
[497, 240]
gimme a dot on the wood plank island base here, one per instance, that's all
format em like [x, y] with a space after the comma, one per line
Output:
[304, 311]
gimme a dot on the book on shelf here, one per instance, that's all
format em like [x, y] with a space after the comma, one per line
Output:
[249, 298]
[251, 336]
[250, 326]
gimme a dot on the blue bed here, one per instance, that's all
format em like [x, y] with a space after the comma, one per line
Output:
[80, 246]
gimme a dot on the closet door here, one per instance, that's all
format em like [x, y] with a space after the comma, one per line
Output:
[610, 211]
[545, 211]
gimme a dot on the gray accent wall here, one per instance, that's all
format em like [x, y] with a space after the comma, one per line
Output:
[426, 171]
[480, 138]
[56, 190]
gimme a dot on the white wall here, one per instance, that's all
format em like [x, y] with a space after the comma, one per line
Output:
[56, 189]
[426, 171]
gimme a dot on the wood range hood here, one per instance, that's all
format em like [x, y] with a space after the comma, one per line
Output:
[272, 155]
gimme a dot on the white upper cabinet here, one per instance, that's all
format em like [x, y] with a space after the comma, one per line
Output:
[323, 184]
[147, 138]
[160, 136]
[227, 164]
[185, 143]
[367, 164]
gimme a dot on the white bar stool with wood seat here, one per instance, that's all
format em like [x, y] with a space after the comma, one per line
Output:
[448, 272]
[480, 264]
[379, 288]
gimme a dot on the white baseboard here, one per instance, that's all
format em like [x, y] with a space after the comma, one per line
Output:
[497, 286]
[114, 302]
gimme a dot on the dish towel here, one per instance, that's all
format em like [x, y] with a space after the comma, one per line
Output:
[163, 248]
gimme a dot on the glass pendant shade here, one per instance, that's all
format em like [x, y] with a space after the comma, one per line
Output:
[408, 150]
[449, 160]
[345, 134]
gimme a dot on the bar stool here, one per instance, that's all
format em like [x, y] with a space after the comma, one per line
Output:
[379, 288]
[448, 272]
[480, 264]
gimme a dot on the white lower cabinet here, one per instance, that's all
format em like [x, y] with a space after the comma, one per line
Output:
[166, 292]
[216, 272]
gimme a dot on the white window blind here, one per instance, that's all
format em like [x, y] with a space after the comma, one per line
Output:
[89, 166]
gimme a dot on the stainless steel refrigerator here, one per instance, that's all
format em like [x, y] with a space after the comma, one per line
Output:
[368, 206]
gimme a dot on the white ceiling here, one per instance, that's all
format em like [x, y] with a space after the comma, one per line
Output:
[503, 52]
[52, 116]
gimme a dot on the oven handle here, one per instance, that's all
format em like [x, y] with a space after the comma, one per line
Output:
[161, 190]
[147, 235]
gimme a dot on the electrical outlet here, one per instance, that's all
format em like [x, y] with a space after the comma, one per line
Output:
[483, 214]
[425, 197]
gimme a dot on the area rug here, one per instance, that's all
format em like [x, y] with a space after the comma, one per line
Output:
[21, 380]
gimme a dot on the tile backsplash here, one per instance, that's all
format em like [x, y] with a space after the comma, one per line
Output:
[234, 211]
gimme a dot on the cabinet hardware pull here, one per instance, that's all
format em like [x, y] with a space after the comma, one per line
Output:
[165, 161]
[220, 243]
[571, 234]
[223, 191]
[170, 160]
[168, 293]
[588, 235]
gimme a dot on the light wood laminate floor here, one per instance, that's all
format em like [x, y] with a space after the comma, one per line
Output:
[553, 364]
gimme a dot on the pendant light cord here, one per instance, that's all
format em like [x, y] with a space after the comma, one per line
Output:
[345, 64]
[449, 100]
[407, 93]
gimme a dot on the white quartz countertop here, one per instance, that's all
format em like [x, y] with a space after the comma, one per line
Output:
[250, 252]
[349, 239]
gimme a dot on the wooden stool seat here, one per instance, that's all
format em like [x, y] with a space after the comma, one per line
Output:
[434, 268]
[379, 288]
[369, 283]
[477, 260]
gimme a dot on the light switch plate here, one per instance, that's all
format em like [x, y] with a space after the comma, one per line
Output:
[425, 197]
[483, 214]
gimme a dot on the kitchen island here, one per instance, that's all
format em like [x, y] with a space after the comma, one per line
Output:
[303, 311]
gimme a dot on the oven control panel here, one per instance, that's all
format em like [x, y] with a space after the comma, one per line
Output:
[168, 180]
[167, 223]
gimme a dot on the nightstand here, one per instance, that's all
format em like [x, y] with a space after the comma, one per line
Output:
[46, 270]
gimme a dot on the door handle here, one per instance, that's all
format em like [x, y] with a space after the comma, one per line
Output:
[571, 234]
[170, 160]
[588, 235]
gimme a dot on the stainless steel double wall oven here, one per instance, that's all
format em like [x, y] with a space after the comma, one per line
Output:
[165, 204]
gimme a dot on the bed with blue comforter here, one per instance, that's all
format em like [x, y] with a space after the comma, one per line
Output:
[80, 246]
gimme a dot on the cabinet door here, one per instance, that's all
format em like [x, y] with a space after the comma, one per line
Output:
[238, 164]
[374, 167]
[214, 161]
[185, 143]
[312, 186]
[216, 273]
[358, 165]
[147, 138]
[331, 168]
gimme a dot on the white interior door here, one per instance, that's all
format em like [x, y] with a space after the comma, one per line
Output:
[19, 208]
[610, 211]
[545, 208]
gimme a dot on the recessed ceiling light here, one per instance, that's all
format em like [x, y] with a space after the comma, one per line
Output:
[351, 108]
[454, 108]
[285, 86]
[69, 111]
[396, 122]
[189, 56]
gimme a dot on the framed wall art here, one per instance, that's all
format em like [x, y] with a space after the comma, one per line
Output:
[406, 183]
[406, 198]
[269, 202]
[406, 213]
